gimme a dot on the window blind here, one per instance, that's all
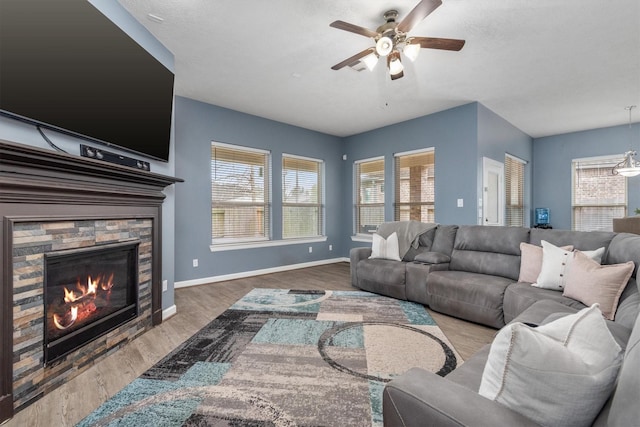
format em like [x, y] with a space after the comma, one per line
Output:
[369, 205]
[302, 197]
[240, 204]
[415, 186]
[514, 191]
[598, 196]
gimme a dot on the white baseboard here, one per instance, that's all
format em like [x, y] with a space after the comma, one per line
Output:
[168, 312]
[244, 274]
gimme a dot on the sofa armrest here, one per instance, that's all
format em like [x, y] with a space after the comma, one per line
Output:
[355, 256]
[421, 398]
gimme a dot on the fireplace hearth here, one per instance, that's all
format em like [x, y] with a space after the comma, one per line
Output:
[88, 292]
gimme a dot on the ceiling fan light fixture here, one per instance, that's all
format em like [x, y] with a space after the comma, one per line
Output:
[370, 61]
[395, 65]
[384, 46]
[411, 51]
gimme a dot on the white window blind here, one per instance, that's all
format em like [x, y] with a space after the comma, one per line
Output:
[302, 197]
[598, 195]
[514, 191]
[369, 207]
[240, 180]
[415, 186]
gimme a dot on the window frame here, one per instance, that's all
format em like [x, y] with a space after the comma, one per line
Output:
[368, 236]
[607, 162]
[397, 158]
[320, 204]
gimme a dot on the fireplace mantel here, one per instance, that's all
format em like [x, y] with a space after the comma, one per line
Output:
[43, 185]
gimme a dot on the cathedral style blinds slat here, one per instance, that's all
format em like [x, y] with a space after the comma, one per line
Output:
[240, 179]
[369, 207]
[598, 195]
[514, 191]
[415, 186]
[302, 198]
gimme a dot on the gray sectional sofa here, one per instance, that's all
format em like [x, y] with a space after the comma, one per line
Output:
[472, 272]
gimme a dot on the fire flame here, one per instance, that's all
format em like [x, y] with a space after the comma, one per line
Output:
[82, 296]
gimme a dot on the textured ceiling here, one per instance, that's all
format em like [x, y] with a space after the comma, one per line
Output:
[547, 67]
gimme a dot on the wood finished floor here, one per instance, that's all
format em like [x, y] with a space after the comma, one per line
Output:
[197, 306]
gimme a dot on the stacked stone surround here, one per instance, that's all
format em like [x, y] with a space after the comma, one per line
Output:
[31, 241]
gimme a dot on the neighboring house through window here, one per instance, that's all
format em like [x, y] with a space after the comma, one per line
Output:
[369, 195]
[302, 197]
[415, 186]
[514, 190]
[598, 196]
[240, 204]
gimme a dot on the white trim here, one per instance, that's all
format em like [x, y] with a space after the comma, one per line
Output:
[368, 238]
[169, 312]
[265, 244]
[239, 147]
[611, 158]
[516, 158]
[245, 274]
[371, 159]
[418, 151]
[294, 156]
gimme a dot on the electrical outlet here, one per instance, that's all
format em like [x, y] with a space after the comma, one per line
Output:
[195, 262]
[310, 249]
[165, 285]
[330, 247]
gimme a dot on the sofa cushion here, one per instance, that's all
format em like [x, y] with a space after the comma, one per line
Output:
[444, 238]
[472, 296]
[590, 283]
[520, 296]
[581, 240]
[432, 258]
[623, 248]
[558, 374]
[629, 305]
[488, 250]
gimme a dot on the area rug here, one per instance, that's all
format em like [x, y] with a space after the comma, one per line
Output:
[285, 358]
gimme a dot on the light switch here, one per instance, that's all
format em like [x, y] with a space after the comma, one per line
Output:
[460, 203]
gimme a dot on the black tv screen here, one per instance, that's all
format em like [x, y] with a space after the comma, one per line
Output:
[66, 66]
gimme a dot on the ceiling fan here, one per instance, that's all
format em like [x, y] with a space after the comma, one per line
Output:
[391, 39]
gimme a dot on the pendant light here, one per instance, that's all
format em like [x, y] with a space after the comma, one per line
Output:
[629, 166]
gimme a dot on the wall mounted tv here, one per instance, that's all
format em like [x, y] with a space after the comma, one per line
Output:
[67, 67]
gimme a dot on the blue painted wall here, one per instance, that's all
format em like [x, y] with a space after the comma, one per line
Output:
[496, 137]
[197, 124]
[552, 158]
[453, 134]
[15, 131]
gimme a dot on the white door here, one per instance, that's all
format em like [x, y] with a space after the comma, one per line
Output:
[492, 192]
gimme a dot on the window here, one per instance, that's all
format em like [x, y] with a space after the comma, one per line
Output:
[514, 190]
[240, 179]
[598, 195]
[415, 186]
[302, 208]
[369, 208]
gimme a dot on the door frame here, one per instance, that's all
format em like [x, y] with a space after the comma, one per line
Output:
[495, 167]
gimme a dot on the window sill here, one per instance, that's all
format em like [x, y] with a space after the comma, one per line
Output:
[367, 238]
[265, 244]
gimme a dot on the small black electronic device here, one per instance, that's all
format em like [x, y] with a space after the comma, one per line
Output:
[107, 156]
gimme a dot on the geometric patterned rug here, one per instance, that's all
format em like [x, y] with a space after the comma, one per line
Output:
[285, 358]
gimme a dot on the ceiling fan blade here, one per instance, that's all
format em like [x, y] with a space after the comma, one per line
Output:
[421, 11]
[341, 25]
[353, 59]
[438, 43]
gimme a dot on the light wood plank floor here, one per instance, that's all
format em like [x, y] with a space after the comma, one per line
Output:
[197, 306]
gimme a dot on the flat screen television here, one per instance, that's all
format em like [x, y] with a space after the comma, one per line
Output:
[67, 67]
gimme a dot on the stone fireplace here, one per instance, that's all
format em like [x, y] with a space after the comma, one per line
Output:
[81, 266]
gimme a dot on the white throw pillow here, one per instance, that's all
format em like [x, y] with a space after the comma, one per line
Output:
[558, 374]
[385, 248]
[556, 263]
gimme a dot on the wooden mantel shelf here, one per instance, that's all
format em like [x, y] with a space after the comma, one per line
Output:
[51, 177]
